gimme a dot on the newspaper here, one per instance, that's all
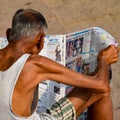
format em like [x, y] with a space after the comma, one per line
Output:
[77, 51]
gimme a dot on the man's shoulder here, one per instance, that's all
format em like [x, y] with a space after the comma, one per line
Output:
[36, 58]
[40, 61]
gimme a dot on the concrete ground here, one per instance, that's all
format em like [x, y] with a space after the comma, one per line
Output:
[64, 16]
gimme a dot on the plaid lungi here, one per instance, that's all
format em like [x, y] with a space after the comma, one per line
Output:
[63, 110]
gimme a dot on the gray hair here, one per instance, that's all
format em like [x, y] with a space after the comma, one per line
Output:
[27, 23]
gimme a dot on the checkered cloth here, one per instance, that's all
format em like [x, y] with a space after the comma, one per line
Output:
[83, 116]
[63, 110]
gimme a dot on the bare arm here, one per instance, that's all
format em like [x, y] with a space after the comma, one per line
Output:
[59, 73]
[50, 70]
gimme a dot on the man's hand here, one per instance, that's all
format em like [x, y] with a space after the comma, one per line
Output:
[109, 55]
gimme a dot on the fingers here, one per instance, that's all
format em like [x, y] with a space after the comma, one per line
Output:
[114, 57]
[113, 60]
[113, 46]
[109, 54]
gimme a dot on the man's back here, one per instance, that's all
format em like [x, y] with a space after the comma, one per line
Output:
[20, 90]
[8, 81]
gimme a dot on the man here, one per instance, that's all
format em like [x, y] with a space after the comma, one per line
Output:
[22, 69]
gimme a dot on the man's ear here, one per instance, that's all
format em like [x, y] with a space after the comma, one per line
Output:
[40, 41]
[8, 33]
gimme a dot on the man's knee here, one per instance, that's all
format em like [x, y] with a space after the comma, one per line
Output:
[102, 95]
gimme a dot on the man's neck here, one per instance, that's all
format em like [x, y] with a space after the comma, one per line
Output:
[9, 55]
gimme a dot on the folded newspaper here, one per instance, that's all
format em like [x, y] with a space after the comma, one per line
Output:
[77, 51]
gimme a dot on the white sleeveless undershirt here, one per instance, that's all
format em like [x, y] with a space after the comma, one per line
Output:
[8, 80]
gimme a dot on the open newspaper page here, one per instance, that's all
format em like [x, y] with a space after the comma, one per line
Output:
[50, 92]
[77, 55]
[3, 42]
[82, 48]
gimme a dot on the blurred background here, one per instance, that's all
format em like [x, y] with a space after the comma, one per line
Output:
[64, 16]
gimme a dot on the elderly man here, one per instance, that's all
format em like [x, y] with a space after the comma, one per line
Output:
[22, 69]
